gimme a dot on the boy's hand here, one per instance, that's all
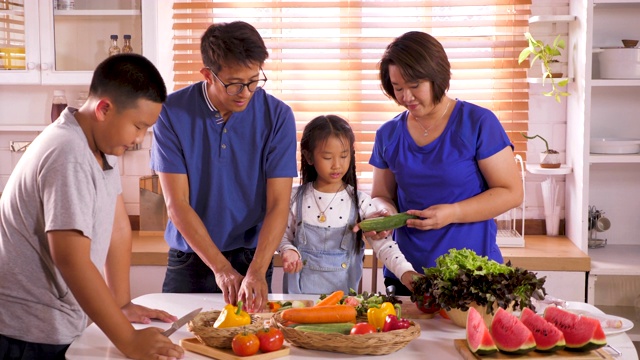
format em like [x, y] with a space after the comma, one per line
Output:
[291, 262]
[150, 344]
[143, 315]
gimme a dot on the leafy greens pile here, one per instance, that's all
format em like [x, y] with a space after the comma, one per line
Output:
[462, 277]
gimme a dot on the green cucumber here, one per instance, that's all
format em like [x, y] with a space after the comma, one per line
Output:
[386, 222]
[340, 328]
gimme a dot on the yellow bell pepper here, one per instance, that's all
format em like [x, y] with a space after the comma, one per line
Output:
[232, 316]
[376, 316]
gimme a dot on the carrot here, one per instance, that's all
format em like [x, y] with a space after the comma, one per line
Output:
[331, 299]
[320, 314]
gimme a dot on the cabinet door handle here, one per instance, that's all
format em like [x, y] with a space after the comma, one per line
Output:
[45, 66]
[31, 66]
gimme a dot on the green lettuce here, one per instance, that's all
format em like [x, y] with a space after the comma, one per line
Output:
[462, 277]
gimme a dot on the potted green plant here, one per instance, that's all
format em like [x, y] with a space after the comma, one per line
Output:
[549, 158]
[547, 54]
[463, 279]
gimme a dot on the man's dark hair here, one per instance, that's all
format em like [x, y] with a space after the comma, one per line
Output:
[232, 43]
[127, 78]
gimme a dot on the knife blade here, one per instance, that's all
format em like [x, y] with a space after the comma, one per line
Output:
[181, 322]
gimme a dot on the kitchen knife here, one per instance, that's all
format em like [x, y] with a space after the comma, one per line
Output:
[181, 322]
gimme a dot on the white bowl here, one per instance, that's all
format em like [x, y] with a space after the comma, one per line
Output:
[619, 63]
[614, 146]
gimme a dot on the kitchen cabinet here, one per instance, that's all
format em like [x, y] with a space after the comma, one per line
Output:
[603, 108]
[62, 47]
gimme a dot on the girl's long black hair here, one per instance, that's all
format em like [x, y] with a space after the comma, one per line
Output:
[316, 132]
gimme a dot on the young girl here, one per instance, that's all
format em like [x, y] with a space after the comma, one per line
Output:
[320, 252]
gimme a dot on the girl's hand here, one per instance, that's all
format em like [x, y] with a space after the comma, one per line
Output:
[407, 279]
[291, 262]
[372, 235]
[143, 315]
[433, 217]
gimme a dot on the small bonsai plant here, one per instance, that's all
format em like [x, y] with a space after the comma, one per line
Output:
[549, 158]
[547, 54]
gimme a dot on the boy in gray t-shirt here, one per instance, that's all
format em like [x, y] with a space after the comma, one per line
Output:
[64, 222]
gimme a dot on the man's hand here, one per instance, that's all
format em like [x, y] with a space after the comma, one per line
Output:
[229, 281]
[254, 292]
[143, 315]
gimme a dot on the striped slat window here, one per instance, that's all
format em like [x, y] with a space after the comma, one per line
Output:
[12, 39]
[323, 55]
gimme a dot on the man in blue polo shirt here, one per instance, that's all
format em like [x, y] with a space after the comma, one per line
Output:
[225, 153]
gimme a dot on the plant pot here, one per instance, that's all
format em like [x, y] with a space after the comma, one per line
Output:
[459, 317]
[550, 160]
[556, 69]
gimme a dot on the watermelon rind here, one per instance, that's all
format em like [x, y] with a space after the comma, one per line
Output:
[479, 338]
[510, 334]
[581, 333]
[548, 337]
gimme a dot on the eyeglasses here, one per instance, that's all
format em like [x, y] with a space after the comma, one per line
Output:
[237, 88]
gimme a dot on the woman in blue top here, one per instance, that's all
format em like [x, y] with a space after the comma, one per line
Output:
[445, 160]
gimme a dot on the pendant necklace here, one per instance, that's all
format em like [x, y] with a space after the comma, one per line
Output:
[321, 216]
[426, 130]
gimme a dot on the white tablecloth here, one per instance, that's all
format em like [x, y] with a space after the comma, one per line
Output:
[435, 341]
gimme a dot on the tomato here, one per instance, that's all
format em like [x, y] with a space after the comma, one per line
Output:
[245, 344]
[427, 310]
[363, 328]
[271, 339]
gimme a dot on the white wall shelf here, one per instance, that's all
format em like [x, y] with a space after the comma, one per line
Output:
[614, 159]
[615, 82]
[22, 128]
[551, 19]
[538, 80]
[536, 169]
[97, 12]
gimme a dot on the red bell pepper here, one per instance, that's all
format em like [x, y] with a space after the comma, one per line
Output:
[392, 322]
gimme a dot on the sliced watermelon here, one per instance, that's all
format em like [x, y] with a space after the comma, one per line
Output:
[478, 337]
[510, 334]
[548, 337]
[581, 333]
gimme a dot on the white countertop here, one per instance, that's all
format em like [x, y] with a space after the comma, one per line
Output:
[436, 337]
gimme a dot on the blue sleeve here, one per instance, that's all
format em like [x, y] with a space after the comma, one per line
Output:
[166, 151]
[281, 157]
[492, 137]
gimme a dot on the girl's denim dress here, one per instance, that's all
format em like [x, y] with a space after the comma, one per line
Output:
[329, 259]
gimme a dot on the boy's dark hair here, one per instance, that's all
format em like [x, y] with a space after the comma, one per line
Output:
[419, 56]
[127, 78]
[315, 133]
[232, 43]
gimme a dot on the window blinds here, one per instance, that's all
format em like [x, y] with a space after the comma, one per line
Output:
[323, 55]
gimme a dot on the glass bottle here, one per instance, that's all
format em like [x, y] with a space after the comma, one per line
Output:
[58, 104]
[82, 98]
[126, 48]
[114, 48]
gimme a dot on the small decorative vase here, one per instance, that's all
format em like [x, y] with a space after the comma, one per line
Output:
[550, 160]
[556, 69]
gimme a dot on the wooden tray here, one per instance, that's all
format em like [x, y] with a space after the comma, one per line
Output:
[194, 345]
[600, 354]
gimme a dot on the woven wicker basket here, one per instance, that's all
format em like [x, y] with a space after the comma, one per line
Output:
[202, 327]
[368, 344]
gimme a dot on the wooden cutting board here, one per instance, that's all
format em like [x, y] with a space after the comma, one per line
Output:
[463, 349]
[194, 345]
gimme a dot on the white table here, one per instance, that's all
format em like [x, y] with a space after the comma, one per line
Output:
[436, 338]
